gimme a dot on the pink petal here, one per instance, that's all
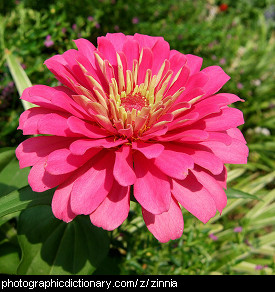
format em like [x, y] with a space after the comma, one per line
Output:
[131, 51]
[149, 150]
[123, 167]
[55, 124]
[155, 131]
[40, 180]
[107, 49]
[180, 82]
[62, 161]
[194, 198]
[194, 63]
[61, 203]
[84, 128]
[29, 119]
[185, 135]
[152, 187]
[217, 78]
[114, 209]
[53, 98]
[165, 226]
[236, 134]
[177, 61]
[80, 146]
[235, 153]
[91, 188]
[33, 149]
[86, 48]
[173, 162]
[56, 65]
[61, 207]
[220, 136]
[231, 98]
[146, 41]
[117, 39]
[189, 94]
[145, 64]
[214, 188]
[226, 119]
[161, 52]
[197, 80]
[204, 157]
[209, 105]
[73, 58]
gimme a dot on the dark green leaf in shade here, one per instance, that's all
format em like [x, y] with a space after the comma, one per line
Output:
[52, 247]
[9, 258]
[12, 177]
[6, 154]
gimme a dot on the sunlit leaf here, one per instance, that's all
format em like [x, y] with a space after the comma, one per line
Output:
[19, 76]
[23, 198]
[237, 194]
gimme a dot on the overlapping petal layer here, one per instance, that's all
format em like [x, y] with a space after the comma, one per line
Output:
[132, 114]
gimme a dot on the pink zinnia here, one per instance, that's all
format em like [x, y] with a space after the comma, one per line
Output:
[132, 114]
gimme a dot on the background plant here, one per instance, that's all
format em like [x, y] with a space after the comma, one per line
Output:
[241, 40]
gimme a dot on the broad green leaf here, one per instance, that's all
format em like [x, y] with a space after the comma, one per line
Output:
[6, 154]
[12, 177]
[50, 246]
[9, 258]
[23, 198]
[19, 76]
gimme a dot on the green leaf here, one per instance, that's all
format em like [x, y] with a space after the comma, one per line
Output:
[237, 194]
[9, 258]
[6, 154]
[12, 177]
[23, 198]
[260, 207]
[50, 246]
[19, 76]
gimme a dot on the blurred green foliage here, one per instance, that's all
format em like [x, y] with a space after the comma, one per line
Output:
[241, 40]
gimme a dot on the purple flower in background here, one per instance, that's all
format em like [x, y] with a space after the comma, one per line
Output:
[222, 61]
[135, 20]
[97, 25]
[214, 57]
[64, 29]
[213, 237]
[239, 85]
[74, 26]
[238, 229]
[90, 18]
[48, 42]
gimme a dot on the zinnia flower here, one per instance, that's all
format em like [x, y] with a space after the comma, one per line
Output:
[132, 114]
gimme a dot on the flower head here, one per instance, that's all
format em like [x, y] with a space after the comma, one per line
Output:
[238, 229]
[223, 7]
[48, 41]
[132, 114]
[135, 20]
